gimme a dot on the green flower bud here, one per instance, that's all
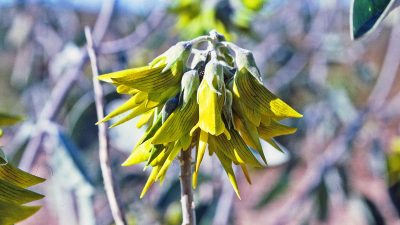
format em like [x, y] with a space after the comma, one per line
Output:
[189, 84]
[179, 51]
[245, 59]
[199, 58]
[214, 75]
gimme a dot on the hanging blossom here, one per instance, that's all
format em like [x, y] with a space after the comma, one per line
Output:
[209, 99]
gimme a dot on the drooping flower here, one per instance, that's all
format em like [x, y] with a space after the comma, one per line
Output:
[217, 103]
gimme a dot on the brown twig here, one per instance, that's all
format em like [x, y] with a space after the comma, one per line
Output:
[110, 186]
[188, 213]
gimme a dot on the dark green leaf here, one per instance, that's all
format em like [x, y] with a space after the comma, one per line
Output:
[12, 213]
[367, 14]
[15, 176]
[14, 194]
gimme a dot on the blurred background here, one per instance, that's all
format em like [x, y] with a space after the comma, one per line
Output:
[341, 167]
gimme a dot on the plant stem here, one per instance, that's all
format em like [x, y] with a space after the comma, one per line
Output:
[188, 213]
[111, 187]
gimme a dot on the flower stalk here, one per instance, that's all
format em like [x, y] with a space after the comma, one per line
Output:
[187, 201]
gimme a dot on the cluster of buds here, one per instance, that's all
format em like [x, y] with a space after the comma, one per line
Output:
[209, 99]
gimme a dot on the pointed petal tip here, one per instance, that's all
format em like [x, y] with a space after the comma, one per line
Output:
[238, 194]
[264, 159]
[194, 180]
[298, 115]
[126, 163]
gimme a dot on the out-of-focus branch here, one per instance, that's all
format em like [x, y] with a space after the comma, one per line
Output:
[139, 35]
[111, 187]
[388, 72]
[287, 73]
[311, 42]
[316, 171]
[59, 93]
[101, 25]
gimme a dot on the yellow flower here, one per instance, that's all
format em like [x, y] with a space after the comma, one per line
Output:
[214, 104]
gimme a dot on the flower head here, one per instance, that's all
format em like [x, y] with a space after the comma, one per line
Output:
[217, 103]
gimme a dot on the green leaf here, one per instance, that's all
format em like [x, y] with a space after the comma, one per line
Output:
[14, 194]
[12, 213]
[367, 14]
[15, 176]
[8, 120]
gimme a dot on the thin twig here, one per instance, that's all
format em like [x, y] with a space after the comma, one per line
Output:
[110, 186]
[388, 72]
[188, 213]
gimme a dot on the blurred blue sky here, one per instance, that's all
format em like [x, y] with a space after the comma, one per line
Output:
[132, 6]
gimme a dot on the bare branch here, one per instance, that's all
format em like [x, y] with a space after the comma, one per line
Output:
[104, 152]
[139, 35]
[188, 213]
[388, 72]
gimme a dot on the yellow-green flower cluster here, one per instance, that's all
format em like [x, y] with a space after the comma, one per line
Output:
[209, 99]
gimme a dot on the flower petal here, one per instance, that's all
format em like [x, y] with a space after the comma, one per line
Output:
[142, 71]
[152, 80]
[255, 95]
[140, 109]
[171, 156]
[210, 109]
[249, 134]
[179, 123]
[201, 149]
[227, 165]
[235, 149]
[123, 89]
[274, 129]
[150, 180]
[157, 152]
[140, 153]
[246, 172]
[145, 119]
[126, 106]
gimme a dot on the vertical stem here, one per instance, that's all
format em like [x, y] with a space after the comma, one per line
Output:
[188, 213]
[110, 186]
